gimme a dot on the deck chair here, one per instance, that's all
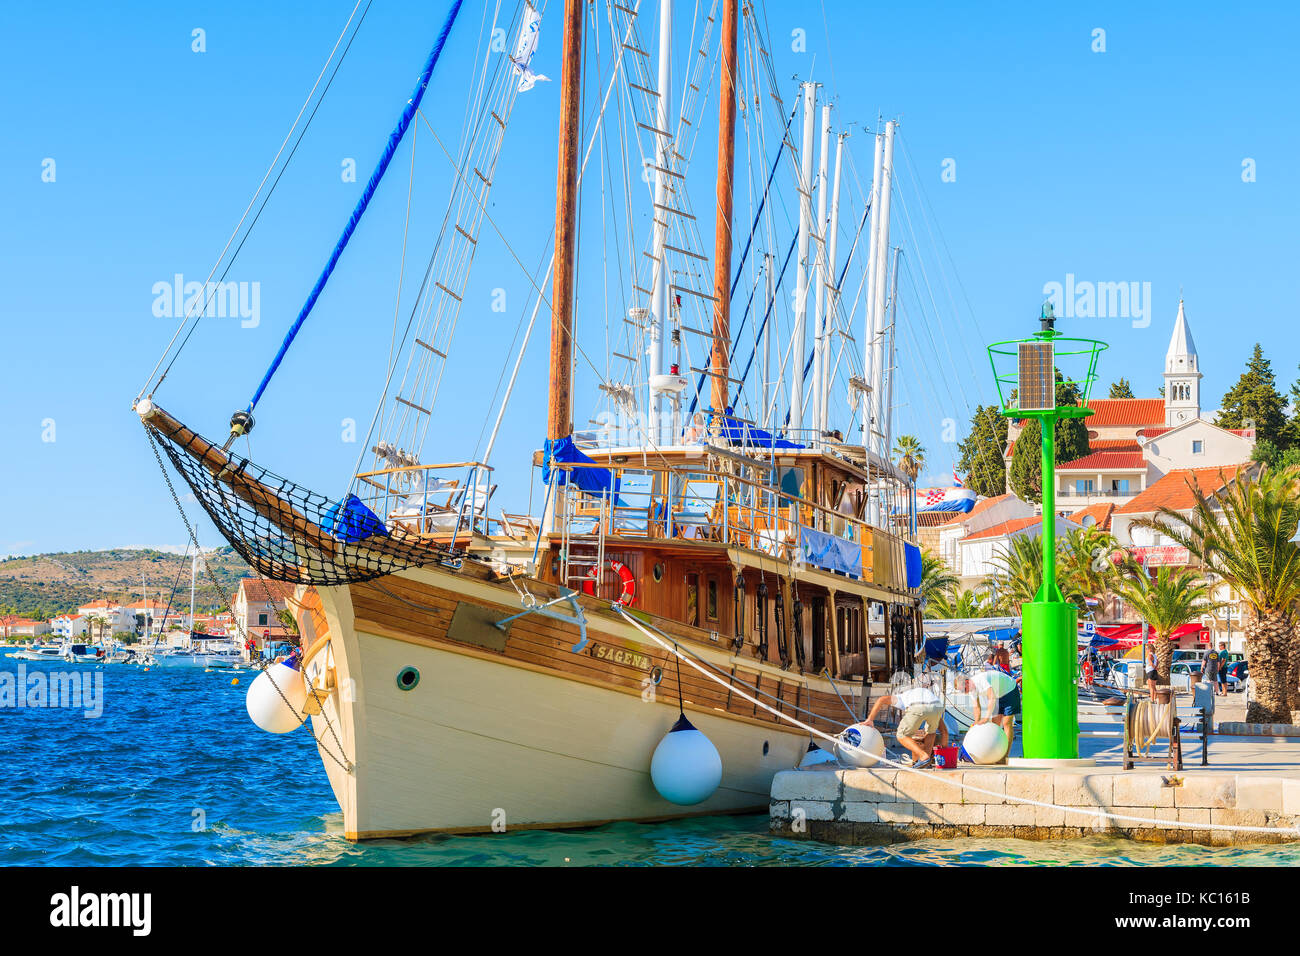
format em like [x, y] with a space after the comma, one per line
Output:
[467, 506]
[426, 497]
[696, 507]
[630, 511]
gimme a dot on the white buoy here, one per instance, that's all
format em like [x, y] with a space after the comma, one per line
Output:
[815, 757]
[686, 768]
[266, 705]
[986, 743]
[860, 745]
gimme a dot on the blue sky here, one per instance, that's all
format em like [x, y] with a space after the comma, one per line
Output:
[1117, 166]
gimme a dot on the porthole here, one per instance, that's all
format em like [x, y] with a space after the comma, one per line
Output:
[656, 675]
[658, 571]
[407, 678]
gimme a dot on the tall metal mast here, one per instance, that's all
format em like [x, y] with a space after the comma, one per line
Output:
[801, 276]
[719, 361]
[820, 273]
[832, 291]
[663, 155]
[559, 412]
[878, 285]
[871, 354]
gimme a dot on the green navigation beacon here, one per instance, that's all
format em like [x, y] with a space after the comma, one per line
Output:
[1028, 373]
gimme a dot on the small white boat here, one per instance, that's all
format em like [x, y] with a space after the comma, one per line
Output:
[39, 652]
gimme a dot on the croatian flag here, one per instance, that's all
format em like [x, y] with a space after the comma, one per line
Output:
[945, 499]
[955, 479]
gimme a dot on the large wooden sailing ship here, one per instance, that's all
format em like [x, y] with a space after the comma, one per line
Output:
[473, 672]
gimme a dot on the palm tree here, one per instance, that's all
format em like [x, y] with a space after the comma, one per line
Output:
[1243, 534]
[1085, 564]
[910, 456]
[936, 577]
[910, 459]
[1174, 597]
[963, 603]
[1018, 573]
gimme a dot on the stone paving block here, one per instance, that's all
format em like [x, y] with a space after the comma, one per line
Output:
[811, 810]
[1084, 789]
[1193, 815]
[961, 814]
[1291, 797]
[1258, 793]
[1029, 785]
[869, 785]
[991, 780]
[926, 787]
[1049, 817]
[1211, 791]
[1238, 818]
[807, 785]
[861, 811]
[1141, 790]
[905, 812]
[1008, 814]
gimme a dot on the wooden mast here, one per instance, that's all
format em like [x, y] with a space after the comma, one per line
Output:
[559, 416]
[719, 360]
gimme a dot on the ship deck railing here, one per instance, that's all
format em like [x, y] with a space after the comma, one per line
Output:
[689, 502]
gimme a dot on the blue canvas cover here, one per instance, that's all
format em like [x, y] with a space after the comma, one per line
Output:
[913, 562]
[741, 433]
[830, 552]
[596, 481]
[349, 520]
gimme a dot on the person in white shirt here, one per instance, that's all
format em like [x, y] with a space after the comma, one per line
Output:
[997, 697]
[921, 724]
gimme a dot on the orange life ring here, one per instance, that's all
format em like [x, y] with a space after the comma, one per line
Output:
[628, 594]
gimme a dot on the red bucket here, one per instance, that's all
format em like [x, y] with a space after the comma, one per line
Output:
[945, 758]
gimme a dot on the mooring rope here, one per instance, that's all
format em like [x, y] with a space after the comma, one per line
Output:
[1096, 812]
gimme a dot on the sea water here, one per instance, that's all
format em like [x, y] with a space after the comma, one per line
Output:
[166, 769]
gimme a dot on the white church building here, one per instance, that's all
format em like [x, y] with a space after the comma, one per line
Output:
[1134, 442]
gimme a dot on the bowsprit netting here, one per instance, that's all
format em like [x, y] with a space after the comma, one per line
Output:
[286, 532]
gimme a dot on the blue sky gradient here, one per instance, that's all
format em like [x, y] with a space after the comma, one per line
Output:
[1123, 165]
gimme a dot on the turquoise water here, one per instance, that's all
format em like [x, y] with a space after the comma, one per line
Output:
[173, 773]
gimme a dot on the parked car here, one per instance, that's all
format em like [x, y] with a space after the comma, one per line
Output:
[1238, 674]
[1183, 674]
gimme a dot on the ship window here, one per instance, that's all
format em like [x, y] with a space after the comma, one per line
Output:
[711, 601]
[693, 600]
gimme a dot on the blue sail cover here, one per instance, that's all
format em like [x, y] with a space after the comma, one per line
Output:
[394, 140]
[350, 521]
[597, 481]
[912, 560]
[742, 433]
[830, 552]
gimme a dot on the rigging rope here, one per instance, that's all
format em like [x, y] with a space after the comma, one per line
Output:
[393, 140]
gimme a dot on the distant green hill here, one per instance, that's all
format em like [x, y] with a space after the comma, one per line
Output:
[45, 585]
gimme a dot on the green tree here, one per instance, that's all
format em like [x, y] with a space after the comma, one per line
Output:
[1174, 597]
[981, 453]
[936, 577]
[1243, 533]
[1070, 440]
[1086, 564]
[1254, 402]
[963, 603]
[1121, 389]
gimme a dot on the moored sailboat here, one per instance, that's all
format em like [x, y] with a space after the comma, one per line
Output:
[469, 672]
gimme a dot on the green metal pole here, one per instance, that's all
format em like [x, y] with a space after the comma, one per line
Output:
[1049, 629]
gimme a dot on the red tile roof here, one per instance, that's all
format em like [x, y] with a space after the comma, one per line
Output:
[1005, 528]
[1100, 513]
[933, 519]
[1174, 490]
[985, 504]
[1126, 411]
[1106, 459]
[262, 590]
